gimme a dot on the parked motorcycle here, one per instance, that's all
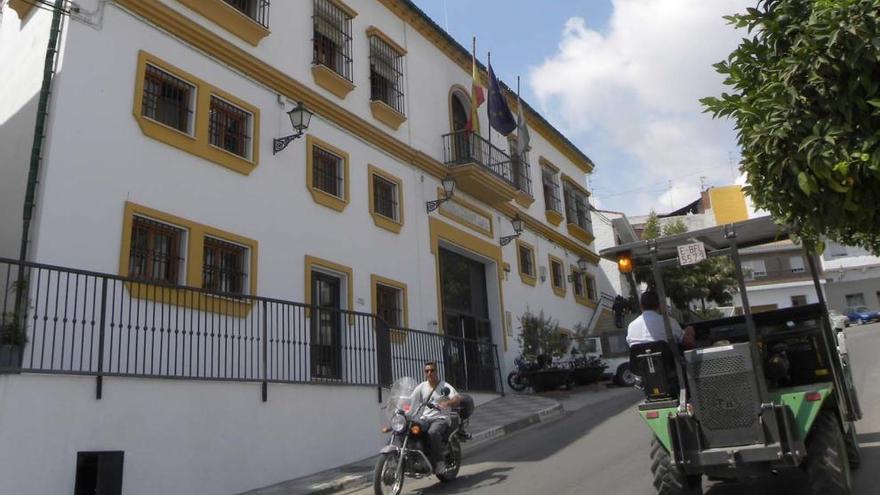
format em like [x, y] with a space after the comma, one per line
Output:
[518, 379]
[407, 452]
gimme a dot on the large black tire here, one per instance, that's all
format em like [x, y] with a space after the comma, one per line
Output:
[382, 486]
[853, 453]
[624, 376]
[453, 462]
[827, 463]
[516, 381]
[668, 479]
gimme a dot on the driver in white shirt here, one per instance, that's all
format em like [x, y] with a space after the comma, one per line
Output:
[649, 326]
[442, 397]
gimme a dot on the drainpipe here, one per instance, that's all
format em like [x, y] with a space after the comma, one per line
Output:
[40, 128]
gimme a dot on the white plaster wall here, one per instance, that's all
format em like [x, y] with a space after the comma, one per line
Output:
[22, 50]
[179, 437]
[778, 294]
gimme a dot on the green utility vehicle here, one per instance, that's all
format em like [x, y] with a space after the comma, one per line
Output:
[758, 394]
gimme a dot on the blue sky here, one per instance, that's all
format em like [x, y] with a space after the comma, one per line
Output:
[621, 79]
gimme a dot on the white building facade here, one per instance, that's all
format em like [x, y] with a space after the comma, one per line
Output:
[262, 282]
[852, 277]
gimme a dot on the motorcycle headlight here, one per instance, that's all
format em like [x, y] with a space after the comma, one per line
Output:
[398, 423]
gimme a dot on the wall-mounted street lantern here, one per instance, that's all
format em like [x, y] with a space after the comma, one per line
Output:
[517, 227]
[300, 116]
[448, 190]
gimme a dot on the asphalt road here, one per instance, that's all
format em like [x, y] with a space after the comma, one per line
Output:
[603, 448]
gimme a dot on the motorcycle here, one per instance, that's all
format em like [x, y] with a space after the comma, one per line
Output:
[518, 379]
[407, 451]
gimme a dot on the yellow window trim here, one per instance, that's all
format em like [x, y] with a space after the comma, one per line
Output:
[442, 231]
[198, 143]
[21, 7]
[543, 161]
[554, 217]
[462, 221]
[579, 233]
[195, 234]
[575, 184]
[524, 199]
[527, 278]
[386, 115]
[229, 18]
[559, 290]
[381, 220]
[397, 336]
[321, 197]
[328, 79]
[374, 31]
[214, 46]
[458, 88]
[584, 298]
[315, 262]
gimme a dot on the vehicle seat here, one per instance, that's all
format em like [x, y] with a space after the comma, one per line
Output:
[655, 364]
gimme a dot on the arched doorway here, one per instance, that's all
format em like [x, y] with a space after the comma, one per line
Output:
[460, 110]
[460, 144]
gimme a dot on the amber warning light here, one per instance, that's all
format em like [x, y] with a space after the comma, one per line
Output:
[624, 263]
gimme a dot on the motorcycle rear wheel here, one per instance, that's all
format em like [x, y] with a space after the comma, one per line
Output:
[516, 381]
[453, 462]
[386, 478]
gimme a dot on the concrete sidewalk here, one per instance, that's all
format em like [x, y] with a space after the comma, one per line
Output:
[494, 419]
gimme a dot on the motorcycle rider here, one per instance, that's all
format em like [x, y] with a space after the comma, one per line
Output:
[441, 396]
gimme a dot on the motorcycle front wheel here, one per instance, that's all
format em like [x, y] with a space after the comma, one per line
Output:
[387, 478]
[453, 462]
[516, 381]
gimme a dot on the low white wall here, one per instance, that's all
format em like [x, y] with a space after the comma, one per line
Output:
[179, 437]
[778, 294]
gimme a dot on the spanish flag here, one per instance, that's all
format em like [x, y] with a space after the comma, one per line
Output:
[477, 96]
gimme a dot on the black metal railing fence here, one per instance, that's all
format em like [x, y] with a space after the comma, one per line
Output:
[88, 323]
[465, 147]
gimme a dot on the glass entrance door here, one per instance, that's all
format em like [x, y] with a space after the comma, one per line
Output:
[469, 362]
[326, 327]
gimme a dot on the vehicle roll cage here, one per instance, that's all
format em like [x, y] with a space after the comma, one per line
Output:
[721, 240]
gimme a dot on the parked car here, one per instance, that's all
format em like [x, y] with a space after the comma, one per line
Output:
[861, 315]
[614, 352]
[838, 321]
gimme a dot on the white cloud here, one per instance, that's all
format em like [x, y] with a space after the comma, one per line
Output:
[631, 94]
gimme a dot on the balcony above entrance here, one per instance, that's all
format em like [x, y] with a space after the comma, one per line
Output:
[483, 170]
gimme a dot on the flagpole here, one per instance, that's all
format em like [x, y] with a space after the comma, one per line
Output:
[489, 107]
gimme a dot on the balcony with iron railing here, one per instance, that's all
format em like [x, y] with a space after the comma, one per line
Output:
[483, 170]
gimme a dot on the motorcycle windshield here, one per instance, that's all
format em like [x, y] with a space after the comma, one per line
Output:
[399, 397]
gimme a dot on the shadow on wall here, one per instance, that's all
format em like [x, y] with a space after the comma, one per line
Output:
[16, 141]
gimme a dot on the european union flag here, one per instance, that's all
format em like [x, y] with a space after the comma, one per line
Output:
[500, 117]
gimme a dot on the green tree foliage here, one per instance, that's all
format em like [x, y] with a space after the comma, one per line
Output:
[540, 335]
[652, 226]
[712, 279]
[806, 104]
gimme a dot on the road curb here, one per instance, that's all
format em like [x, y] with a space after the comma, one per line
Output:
[502, 430]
